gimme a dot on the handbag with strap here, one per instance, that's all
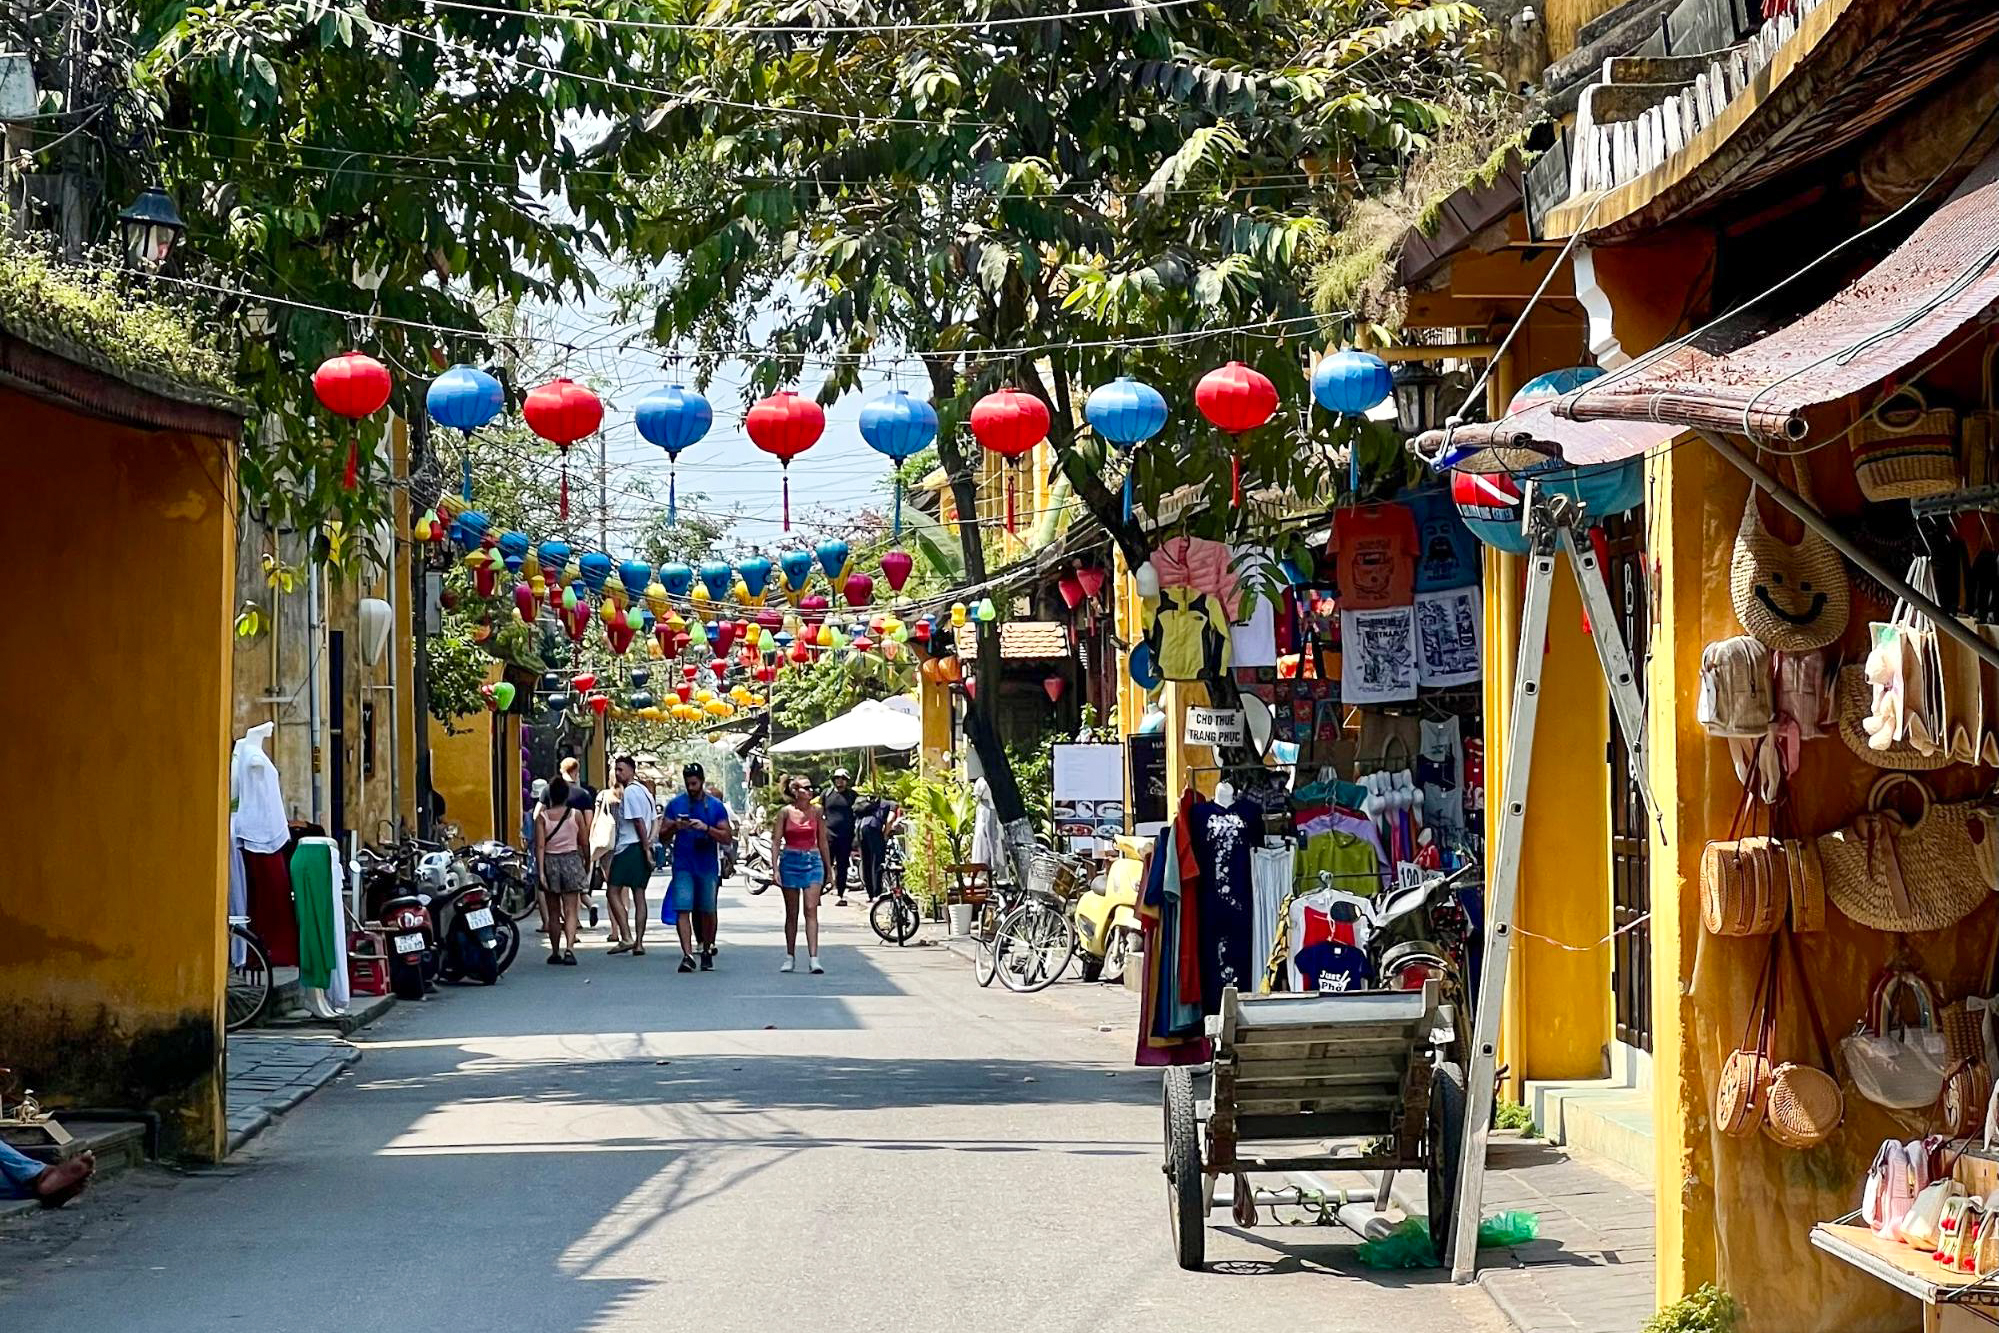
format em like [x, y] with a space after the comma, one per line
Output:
[1896, 873]
[1736, 696]
[1893, 1065]
[1905, 449]
[1742, 1093]
[1805, 1103]
[1745, 881]
[1791, 597]
[1899, 1173]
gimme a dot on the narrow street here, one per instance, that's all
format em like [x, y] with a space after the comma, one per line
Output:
[617, 1146]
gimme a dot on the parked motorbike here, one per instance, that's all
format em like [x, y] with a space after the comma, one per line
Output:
[406, 925]
[1107, 928]
[468, 939]
[504, 872]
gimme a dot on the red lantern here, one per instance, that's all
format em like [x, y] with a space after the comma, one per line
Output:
[685, 690]
[563, 412]
[1010, 423]
[582, 683]
[600, 704]
[352, 385]
[770, 618]
[1237, 399]
[800, 653]
[785, 425]
[1071, 590]
[619, 636]
[858, 590]
[1092, 579]
[725, 635]
[1054, 685]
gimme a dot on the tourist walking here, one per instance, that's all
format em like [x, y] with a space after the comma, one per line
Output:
[878, 820]
[698, 822]
[603, 840]
[561, 832]
[798, 849]
[582, 798]
[631, 851]
[838, 807]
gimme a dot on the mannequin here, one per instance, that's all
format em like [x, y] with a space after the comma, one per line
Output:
[1225, 793]
[316, 884]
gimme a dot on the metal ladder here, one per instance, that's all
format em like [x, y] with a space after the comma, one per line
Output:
[1554, 523]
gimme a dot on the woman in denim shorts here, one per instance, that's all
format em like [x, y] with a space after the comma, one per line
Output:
[798, 849]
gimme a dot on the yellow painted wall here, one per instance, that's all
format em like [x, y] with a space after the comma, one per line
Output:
[402, 638]
[112, 917]
[461, 768]
[1564, 17]
[934, 706]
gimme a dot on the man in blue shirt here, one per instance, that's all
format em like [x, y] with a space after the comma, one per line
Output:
[698, 823]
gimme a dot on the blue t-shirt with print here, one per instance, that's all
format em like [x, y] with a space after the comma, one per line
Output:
[1446, 551]
[693, 850]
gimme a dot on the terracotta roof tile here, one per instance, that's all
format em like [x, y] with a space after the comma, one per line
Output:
[1023, 641]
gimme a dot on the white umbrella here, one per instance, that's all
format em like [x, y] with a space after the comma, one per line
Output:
[869, 726]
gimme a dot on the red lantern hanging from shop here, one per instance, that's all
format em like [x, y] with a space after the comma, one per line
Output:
[785, 425]
[896, 567]
[1071, 589]
[1238, 400]
[1054, 686]
[563, 412]
[352, 385]
[1010, 423]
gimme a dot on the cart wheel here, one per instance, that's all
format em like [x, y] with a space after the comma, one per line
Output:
[1186, 1197]
[1447, 1136]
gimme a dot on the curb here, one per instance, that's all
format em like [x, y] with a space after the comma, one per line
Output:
[248, 1125]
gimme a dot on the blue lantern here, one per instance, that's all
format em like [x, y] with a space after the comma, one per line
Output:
[755, 573]
[595, 567]
[464, 398]
[673, 418]
[833, 555]
[797, 567]
[635, 575]
[900, 427]
[716, 577]
[677, 579]
[1351, 382]
[553, 558]
[1126, 413]
[513, 550]
[469, 528]
[782, 638]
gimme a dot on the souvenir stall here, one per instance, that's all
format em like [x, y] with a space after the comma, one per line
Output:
[1355, 668]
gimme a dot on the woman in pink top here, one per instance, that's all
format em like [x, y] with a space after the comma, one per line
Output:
[798, 849]
[560, 835]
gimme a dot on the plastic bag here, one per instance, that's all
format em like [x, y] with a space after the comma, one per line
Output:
[1409, 1245]
[667, 916]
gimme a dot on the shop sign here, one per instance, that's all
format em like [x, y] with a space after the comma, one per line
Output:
[1214, 726]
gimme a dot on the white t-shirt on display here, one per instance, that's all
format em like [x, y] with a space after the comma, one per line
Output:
[638, 807]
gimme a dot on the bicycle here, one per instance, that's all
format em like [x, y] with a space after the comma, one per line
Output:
[894, 914]
[248, 993]
[1036, 939]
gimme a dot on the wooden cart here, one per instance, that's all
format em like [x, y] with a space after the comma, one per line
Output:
[1294, 1071]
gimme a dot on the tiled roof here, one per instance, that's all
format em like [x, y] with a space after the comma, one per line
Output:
[1023, 641]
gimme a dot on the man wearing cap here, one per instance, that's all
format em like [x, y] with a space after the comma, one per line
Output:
[699, 822]
[837, 806]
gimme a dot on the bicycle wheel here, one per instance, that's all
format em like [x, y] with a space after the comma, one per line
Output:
[883, 917]
[249, 990]
[1035, 945]
[907, 918]
[985, 941]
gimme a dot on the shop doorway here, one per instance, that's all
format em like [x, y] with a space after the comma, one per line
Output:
[336, 727]
[1630, 829]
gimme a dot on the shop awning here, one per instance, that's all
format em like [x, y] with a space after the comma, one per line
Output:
[869, 725]
[1903, 312]
[1535, 435]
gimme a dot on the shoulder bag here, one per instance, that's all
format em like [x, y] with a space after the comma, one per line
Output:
[1790, 597]
[1901, 1068]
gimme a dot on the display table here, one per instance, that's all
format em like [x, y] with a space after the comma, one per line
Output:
[1906, 1270]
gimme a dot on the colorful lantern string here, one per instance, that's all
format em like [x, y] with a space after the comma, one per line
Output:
[1127, 413]
[464, 398]
[673, 418]
[785, 426]
[352, 385]
[1010, 423]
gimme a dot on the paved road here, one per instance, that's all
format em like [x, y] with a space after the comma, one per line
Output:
[616, 1146]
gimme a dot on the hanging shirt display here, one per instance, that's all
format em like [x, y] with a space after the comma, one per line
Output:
[1446, 552]
[1439, 771]
[1344, 862]
[1270, 876]
[1253, 641]
[1189, 635]
[257, 805]
[1374, 552]
[1378, 656]
[1224, 838]
[1448, 633]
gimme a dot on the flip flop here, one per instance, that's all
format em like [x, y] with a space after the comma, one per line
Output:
[619, 948]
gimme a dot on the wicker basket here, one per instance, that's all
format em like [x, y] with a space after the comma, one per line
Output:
[1853, 699]
[1055, 876]
[1805, 1106]
[1791, 597]
[1907, 876]
[1905, 449]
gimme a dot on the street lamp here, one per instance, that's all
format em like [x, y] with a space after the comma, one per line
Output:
[1417, 390]
[150, 226]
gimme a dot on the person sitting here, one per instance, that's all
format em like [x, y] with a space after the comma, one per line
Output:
[22, 1177]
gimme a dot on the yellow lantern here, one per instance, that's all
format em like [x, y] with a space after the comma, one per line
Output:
[718, 708]
[701, 599]
[959, 614]
[654, 651]
[703, 696]
[656, 599]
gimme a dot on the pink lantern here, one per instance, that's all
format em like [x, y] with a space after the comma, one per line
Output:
[858, 590]
[1054, 685]
[562, 412]
[896, 566]
[1071, 589]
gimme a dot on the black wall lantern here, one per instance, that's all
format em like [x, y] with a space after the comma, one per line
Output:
[150, 226]
[1418, 391]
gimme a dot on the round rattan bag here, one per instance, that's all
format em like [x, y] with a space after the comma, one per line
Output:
[1744, 1092]
[1805, 1106]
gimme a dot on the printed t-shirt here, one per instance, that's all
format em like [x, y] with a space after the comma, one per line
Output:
[1374, 554]
[1446, 552]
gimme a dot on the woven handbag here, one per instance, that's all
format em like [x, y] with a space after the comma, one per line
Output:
[1791, 597]
[1807, 879]
[1905, 449]
[1745, 880]
[1967, 1082]
[1901, 875]
[1852, 703]
[1980, 433]
[1805, 1104]
[1743, 1091]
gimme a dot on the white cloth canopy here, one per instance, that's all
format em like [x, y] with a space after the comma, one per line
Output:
[870, 725]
